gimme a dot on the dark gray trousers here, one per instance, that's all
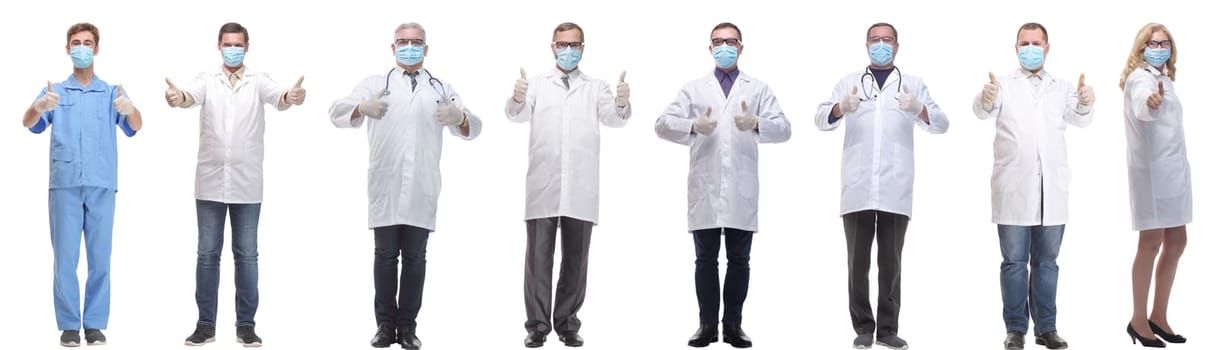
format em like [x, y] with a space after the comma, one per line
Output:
[538, 273]
[861, 228]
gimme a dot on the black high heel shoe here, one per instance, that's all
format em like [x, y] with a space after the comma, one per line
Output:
[1147, 343]
[1172, 338]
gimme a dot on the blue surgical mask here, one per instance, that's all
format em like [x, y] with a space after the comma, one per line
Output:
[233, 56]
[1157, 57]
[881, 53]
[410, 55]
[82, 56]
[568, 58]
[725, 55]
[1031, 56]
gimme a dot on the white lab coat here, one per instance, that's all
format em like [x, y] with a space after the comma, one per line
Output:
[403, 179]
[1030, 175]
[563, 149]
[723, 174]
[1158, 167]
[232, 126]
[878, 165]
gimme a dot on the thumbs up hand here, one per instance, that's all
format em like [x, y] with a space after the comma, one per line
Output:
[521, 86]
[373, 106]
[622, 92]
[449, 115]
[1156, 98]
[850, 103]
[745, 120]
[1086, 93]
[122, 104]
[704, 124]
[908, 102]
[297, 93]
[173, 95]
[990, 91]
[48, 101]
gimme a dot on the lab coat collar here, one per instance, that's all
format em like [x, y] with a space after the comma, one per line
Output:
[1024, 74]
[1155, 72]
[575, 75]
[96, 85]
[244, 72]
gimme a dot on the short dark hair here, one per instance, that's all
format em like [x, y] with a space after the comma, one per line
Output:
[726, 25]
[569, 26]
[84, 27]
[233, 27]
[1032, 26]
[883, 24]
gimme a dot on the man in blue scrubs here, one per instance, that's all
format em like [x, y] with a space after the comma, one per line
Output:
[86, 113]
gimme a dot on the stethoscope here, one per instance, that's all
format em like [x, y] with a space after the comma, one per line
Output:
[438, 90]
[872, 91]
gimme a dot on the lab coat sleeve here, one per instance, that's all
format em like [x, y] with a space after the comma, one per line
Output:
[773, 126]
[474, 122]
[520, 112]
[998, 105]
[822, 118]
[45, 119]
[675, 122]
[340, 111]
[1077, 115]
[1138, 88]
[196, 92]
[937, 123]
[611, 115]
[270, 92]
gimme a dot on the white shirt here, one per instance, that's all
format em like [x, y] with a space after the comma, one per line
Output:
[563, 147]
[1157, 163]
[1030, 176]
[403, 178]
[231, 129]
[723, 171]
[878, 164]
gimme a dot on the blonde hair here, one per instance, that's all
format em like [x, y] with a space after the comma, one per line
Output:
[1135, 59]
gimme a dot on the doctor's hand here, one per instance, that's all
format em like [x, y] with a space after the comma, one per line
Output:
[990, 91]
[622, 92]
[1086, 93]
[745, 120]
[521, 86]
[373, 107]
[123, 105]
[449, 115]
[1156, 98]
[908, 102]
[703, 124]
[297, 93]
[850, 103]
[173, 95]
[49, 101]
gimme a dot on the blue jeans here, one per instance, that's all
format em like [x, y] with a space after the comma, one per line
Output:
[1029, 293]
[89, 210]
[244, 251]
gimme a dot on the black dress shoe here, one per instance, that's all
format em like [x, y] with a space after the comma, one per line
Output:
[1172, 338]
[408, 339]
[384, 337]
[1014, 341]
[706, 334]
[1051, 340]
[571, 339]
[1147, 343]
[534, 340]
[734, 335]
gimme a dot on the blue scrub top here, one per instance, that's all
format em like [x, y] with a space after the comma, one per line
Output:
[84, 144]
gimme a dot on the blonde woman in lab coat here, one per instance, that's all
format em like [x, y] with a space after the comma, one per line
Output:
[1159, 178]
[1029, 182]
[406, 111]
[723, 177]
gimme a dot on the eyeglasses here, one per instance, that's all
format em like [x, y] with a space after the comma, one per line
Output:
[728, 41]
[576, 45]
[885, 39]
[414, 42]
[1159, 44]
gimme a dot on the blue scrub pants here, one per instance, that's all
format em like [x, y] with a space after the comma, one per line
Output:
[72, 211]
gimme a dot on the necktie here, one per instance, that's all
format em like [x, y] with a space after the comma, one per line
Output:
[566, 79]
[413, 80]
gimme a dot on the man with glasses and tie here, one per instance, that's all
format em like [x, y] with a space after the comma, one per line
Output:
[565, 108]
[882, 107]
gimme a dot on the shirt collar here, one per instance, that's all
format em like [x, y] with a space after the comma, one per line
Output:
[1153, 70]
[239, 73]
[1041, 74]
[95, 85]
[733, 74]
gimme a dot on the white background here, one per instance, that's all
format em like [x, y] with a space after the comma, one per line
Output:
[316, 253]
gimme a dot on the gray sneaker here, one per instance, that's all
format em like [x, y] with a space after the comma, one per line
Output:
[245, 336]
[203, 334]
[863, 341]
[70, 338]
[94, 337]
[893, 342]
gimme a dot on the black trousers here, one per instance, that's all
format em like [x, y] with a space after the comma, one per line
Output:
[538, 273]
[408, 242]
[709, 293]
[861, 228]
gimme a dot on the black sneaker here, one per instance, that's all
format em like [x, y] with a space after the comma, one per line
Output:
[94, 337]
[245, 336]
[203, 334]
[70, 338]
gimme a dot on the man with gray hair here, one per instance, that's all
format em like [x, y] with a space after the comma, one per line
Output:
[406, 111]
